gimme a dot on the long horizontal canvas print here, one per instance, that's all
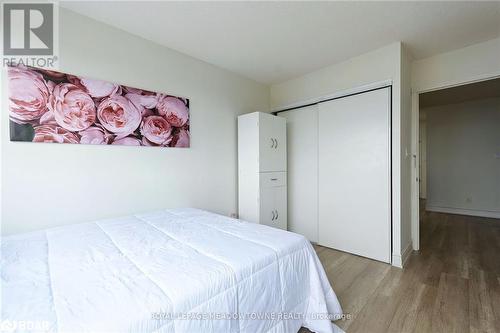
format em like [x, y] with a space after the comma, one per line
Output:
[50, 106]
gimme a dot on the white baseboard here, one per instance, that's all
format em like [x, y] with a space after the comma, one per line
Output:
[407, 253]
[461, 211]
[396, 261]
[399, 260]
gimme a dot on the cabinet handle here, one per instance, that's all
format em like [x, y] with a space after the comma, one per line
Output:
[277, 215]
[272, 142]
[272, 219]
[276, 146]
[274, 179]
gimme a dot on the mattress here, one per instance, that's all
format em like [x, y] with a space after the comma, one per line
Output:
[178, 270]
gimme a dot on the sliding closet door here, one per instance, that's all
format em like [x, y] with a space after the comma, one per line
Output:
[354, 174]
[302, 149]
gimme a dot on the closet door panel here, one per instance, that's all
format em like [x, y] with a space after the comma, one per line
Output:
[302, 146]
[354, 174]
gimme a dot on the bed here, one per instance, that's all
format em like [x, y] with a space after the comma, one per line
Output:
[178, 270]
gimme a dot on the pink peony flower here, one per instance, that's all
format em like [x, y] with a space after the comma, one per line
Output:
[138, 91]
[157, 130]
[146, 101]
[54, 133]
[51, 85]
[28, 95]
[95, 88]
[119, 115]
[73, 108]
[48, 118]
[180, 139]
[146, 142]
[147, 112]
[58, 76]
[128, 141]
[173, 109]
[95, 135]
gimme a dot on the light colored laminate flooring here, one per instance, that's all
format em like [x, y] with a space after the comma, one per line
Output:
[451, 285]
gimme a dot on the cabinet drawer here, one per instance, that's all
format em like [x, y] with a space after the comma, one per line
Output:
[272, 179]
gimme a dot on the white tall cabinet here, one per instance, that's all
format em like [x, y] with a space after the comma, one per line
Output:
[262, 165]
[339, 176]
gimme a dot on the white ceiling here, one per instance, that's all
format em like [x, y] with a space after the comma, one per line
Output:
[274, 41]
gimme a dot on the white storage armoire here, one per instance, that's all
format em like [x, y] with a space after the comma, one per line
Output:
[262, 164]
[339, 173]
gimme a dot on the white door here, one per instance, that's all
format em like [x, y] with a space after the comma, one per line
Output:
[302, 148]
[272, 134]
[354, 174]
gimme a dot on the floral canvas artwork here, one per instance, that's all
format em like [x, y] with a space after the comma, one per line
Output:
[49, 106]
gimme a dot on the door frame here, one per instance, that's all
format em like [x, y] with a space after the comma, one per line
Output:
[415, 133]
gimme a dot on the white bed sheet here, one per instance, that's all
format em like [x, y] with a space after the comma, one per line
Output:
[179, 270]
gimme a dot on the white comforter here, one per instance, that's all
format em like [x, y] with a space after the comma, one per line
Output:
[183, 270]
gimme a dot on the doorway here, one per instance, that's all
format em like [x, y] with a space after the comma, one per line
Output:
[458, 155]
[459, 199]
[468, 199]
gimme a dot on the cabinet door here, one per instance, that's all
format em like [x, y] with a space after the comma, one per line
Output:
[273, 207]
[280, 220]
[267, 213]
[272, 145]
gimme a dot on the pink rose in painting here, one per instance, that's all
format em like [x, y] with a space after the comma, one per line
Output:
[48, 118]
[146, 101]
[28, 95]
[157, 130]
[138, 91]
[95, 88]
[147, 112]
[52, 74]
[180, 139]
[173, 109]
[146, 142]
[73, 108]
[128, 141]
[95, 135]
[119, 115]
[54, 133]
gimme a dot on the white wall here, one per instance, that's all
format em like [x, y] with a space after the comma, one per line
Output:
[388, 63]
[475, 62]
[46, 185]
[463, 158]
[406, 154]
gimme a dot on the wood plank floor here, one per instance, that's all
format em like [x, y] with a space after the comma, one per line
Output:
[451, 285]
